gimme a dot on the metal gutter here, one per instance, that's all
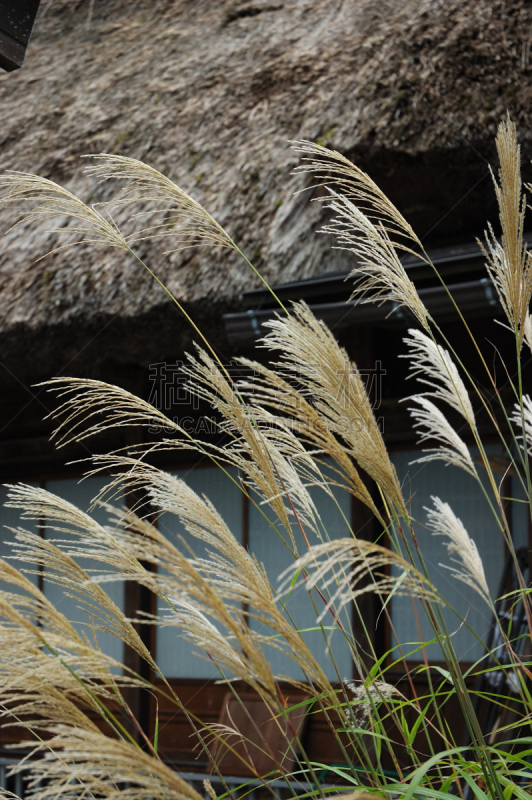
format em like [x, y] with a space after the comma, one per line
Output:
[458, 260]
[463, 262]
[474, 298]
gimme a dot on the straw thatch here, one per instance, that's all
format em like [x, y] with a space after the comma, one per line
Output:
[210, 91]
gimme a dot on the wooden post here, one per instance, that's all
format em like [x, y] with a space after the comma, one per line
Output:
[364, 618]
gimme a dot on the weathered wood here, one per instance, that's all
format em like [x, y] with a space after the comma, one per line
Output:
[17, 18]
[267, 742]
[205, 699]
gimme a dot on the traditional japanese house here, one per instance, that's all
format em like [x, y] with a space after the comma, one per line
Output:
[210, 93]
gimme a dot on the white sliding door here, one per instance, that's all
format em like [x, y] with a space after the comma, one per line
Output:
[12, 518]
[81, 495]
[176, 657]
[301, 607]
[465, 496]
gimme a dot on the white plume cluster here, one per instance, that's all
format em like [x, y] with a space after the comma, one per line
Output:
[443, 522]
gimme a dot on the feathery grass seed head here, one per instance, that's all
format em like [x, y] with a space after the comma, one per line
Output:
[433, 366]
[443, 521]
[312, 357]
[364, 221]
[47, 200]
[433, 425]
[509, 262]
[342, 566]
[183, 218]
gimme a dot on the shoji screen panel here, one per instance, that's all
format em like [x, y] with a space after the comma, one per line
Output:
[81, 495]
[464, 495]
[270, 550]
[12, 518]
[176, 657]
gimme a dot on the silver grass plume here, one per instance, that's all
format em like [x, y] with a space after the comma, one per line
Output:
[509, 262]
[289, 407]
[217, 644]
[48, 200]
[312, 357]
[358, 559]
[33, 605]
[64, 518]
[234, 571]
[269, 471]
[379, 274]
[85, 400]
[524, 415]
[62, 570]
[363, 220]
[333, 168]
[433, 366]
[132, 541]
[432, 425]
[265, 454]
[528, 330]
[77, 763]
[443, 522]
[48, 681]
[183, 217]
[40, 689]
[200, 591]
[46, 668]
[207, 785]
[203, 594]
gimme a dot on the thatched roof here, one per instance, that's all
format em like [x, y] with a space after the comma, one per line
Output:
[210, 91]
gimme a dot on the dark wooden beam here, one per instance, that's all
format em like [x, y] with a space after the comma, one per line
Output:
[17, 18]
